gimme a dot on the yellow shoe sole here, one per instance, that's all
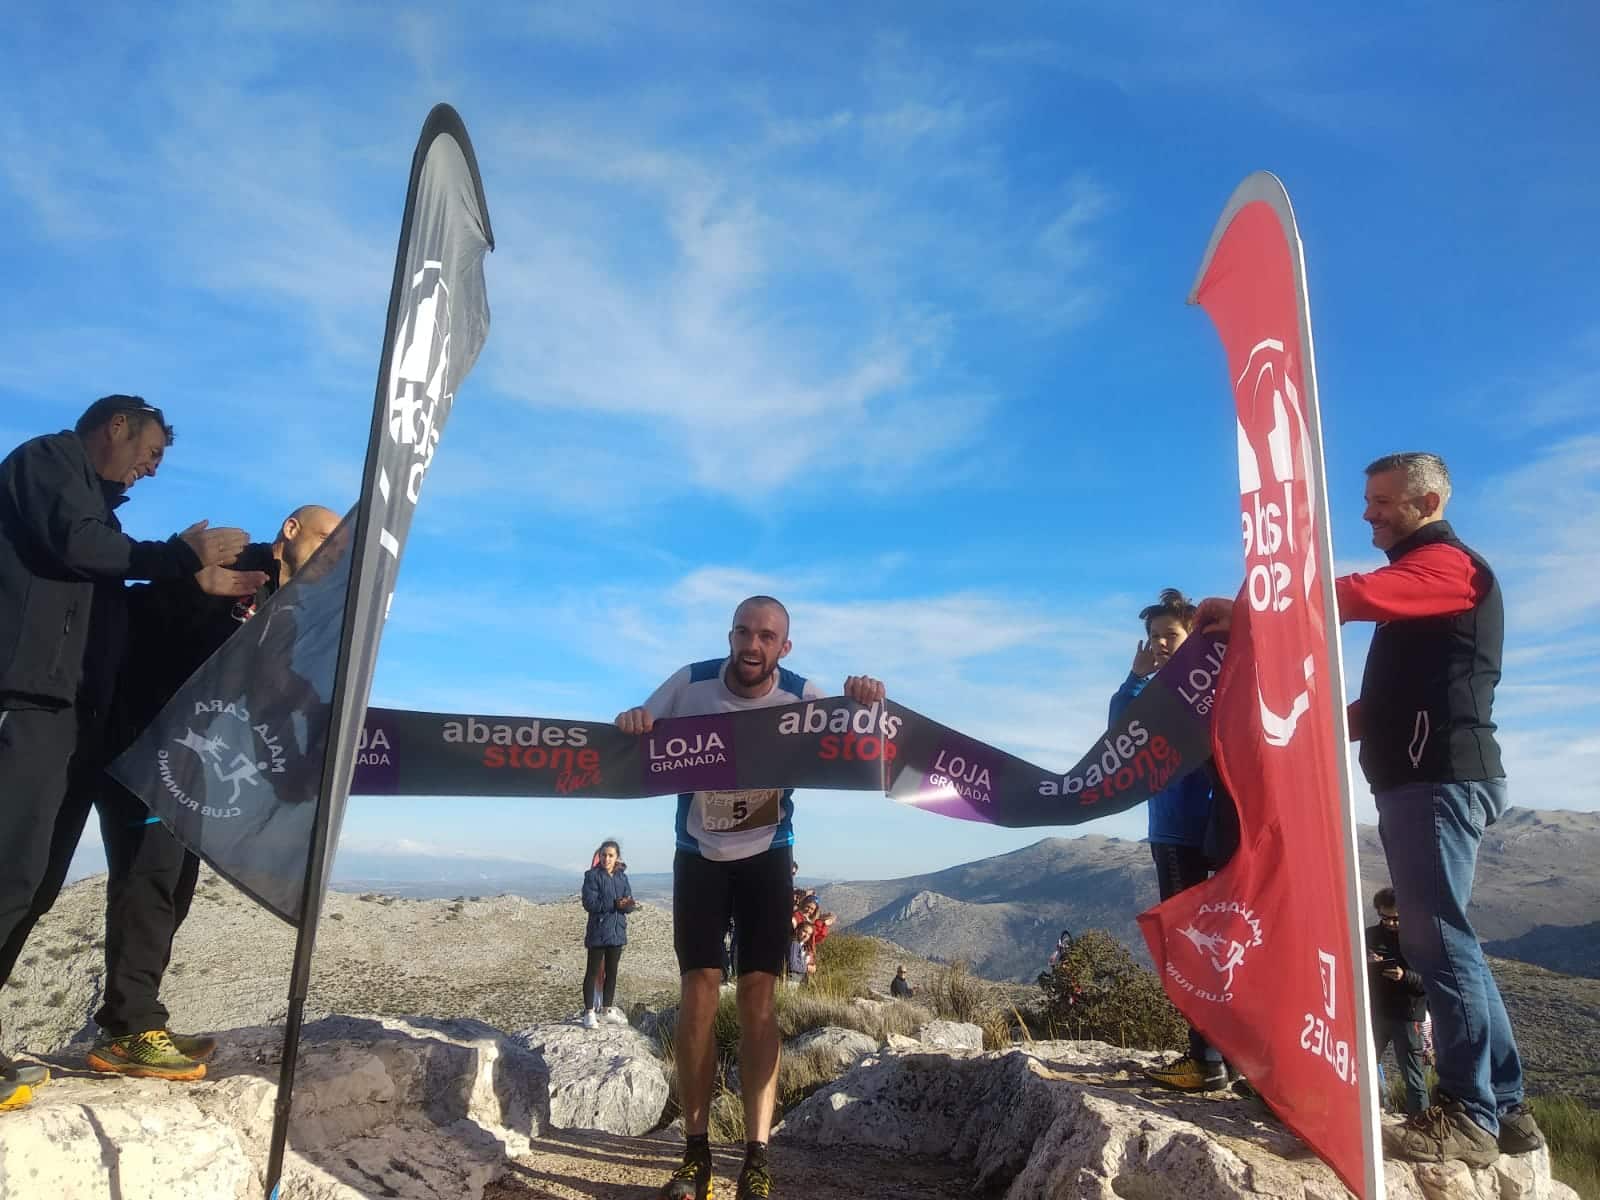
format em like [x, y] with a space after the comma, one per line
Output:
[21, 1095]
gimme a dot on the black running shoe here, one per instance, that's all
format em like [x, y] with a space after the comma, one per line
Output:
[691, 1181]
[754, 1182]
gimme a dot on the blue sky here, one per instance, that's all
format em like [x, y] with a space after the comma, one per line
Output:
[879, 309]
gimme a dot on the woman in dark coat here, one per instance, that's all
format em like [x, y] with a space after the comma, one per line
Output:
[608, 899]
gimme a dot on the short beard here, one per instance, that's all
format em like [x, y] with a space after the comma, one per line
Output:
[739, 669]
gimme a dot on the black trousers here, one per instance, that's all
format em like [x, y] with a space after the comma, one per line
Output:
[38, 773]
[149, 886]
[1179, 868]
[151, 877]
[607, 957]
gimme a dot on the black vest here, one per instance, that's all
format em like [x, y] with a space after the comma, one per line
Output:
[1428, 692]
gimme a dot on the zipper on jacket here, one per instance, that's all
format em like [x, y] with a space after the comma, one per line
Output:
[1419, 738]
[61, 646]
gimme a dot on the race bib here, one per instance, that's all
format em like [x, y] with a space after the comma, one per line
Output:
[752, 808]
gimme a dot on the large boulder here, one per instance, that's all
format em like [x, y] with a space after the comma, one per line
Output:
[396, 1108]
[607, 1078]
[835, 1049]
[1075, 1121]
[951, 1035]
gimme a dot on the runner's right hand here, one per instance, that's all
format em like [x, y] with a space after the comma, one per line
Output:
[1214, 614]
[635, 721]
[214, 547]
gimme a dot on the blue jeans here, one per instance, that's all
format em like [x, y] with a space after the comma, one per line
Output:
[1406, 1038]
[1430, 834]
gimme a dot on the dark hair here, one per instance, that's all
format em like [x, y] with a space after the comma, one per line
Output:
[601, 849]
[134, 408]
[1173, 603]
[1384, 899]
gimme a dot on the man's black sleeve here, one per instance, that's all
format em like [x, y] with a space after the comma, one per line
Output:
[67, 520]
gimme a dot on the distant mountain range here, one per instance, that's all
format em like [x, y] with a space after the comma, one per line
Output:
[417, 875]
[1536, 897]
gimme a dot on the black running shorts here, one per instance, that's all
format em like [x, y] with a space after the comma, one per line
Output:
[757, 892]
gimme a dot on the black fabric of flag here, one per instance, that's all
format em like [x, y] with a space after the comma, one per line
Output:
[237, 761]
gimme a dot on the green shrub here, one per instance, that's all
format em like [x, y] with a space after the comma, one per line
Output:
[1573, 1131]
[725, 1027]
[956, 994]
[725, 1120]
[800, 1074]
[996, 1026]
[1096, 991]
[803, 1009]
[902, 1017]
[844, 964]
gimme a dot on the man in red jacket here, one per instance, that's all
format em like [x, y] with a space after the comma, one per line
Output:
[1428, 750]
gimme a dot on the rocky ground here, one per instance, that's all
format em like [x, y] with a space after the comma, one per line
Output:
[502, 960]
[513, 963]
[568, 1113]
[506, 961]
[573, 1165]
[417, 1109]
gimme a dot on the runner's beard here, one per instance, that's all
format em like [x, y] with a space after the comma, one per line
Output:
[741, 672]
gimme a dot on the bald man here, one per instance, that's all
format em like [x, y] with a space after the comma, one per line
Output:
[151, 877]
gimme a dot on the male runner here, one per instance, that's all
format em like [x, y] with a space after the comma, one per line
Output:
[733, 858]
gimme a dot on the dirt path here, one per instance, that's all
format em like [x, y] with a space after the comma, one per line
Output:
[569, 1165]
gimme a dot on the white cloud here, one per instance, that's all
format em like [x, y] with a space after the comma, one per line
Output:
[1546, 517]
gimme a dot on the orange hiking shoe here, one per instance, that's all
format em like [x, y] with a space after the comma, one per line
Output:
[149, 1055]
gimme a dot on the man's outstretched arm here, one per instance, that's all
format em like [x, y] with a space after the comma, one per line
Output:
[1436, 580]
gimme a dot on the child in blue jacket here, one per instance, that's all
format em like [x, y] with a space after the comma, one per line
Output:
[608, 899]
[1180, 818]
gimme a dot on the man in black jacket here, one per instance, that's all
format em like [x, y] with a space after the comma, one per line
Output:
[1399, 1001]
[63, 557]
[1425, 720]
[174, 628]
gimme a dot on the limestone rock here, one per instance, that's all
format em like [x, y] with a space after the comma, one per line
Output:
[950, 1035]
[838, 1049]
[406, 1109]
[1071, 1120]
[607, 1078]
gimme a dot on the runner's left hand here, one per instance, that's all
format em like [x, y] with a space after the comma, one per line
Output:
[864, 689]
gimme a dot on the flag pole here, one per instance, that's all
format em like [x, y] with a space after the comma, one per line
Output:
[1366, 1059]
[316, 860]
[1269, 188]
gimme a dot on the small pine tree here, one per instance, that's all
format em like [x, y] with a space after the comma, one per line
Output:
[1096, 991]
